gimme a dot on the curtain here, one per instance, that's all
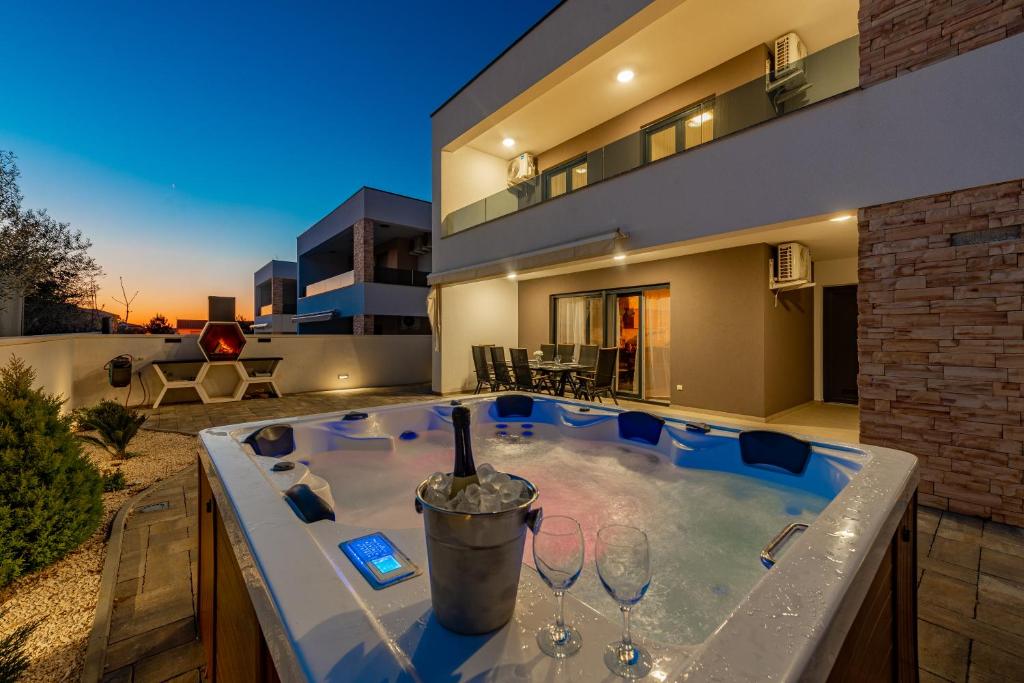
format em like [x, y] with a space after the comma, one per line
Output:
[571, 316]
[656, 344]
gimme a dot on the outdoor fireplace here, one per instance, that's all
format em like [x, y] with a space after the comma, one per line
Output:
[220, 341]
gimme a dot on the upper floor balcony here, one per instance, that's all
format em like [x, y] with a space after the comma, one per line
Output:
[690, 73]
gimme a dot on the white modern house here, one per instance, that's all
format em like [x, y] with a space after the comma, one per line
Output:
[764, 205]
[362, 269]
[274, 298]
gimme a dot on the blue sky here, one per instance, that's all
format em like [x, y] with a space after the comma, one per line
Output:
[193, 141]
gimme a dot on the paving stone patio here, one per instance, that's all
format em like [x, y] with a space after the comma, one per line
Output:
[970, 599]
[190, 418]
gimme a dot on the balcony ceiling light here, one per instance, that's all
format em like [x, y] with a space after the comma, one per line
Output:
[841, 219]
[625, 76]
[509, 142]
[511, 276]
[619, 257]
[695, 121]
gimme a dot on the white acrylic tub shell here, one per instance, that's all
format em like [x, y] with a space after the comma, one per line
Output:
[332, 626]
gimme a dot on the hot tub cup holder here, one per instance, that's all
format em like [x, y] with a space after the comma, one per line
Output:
[481, 599]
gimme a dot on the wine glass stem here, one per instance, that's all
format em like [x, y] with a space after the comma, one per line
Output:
[560, 615]
[627, 641]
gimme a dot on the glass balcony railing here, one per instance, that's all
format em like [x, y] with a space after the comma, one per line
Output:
[817, 77]
[400, 276]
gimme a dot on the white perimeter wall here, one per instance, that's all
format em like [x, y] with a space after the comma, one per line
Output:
[72, 365]
[841, 271]
[476, 313]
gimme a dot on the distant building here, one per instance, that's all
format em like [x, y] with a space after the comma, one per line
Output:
[275, 296]
[362, 269]
[188, 326]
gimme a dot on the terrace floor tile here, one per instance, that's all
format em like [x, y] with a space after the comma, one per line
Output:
[956, 552]
[943, 652]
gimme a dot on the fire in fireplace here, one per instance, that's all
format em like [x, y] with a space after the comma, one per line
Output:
[221, 341]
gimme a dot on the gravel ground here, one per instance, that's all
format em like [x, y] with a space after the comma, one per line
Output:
[63, 596]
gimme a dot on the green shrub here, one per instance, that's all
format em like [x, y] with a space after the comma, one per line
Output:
[13, 661]
[116, 424]
[114, 481]
[50, 494]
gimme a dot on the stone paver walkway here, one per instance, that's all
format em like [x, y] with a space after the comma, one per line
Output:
[190, 418]
[153, 621]
[970, 599]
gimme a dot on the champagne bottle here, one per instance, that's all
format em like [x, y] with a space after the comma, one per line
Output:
[464, 473]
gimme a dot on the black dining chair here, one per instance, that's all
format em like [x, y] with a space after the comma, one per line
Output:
[502, 377]
[603, 381]
[588, 356]
[566, 352]
[483, 372]
[547, 352]
[525, 380]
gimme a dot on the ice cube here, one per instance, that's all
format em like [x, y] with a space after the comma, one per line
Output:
[499, 478]
[485, 472]
[440, 482]
[458, 500]
[435, 497]
[472, 493]
[490, 502]
[511, 490]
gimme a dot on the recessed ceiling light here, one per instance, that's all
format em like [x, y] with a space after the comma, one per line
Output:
[511, 276]
[342, 376]
[509, 142]
[619, 257]
[841, 219]
[625, 76]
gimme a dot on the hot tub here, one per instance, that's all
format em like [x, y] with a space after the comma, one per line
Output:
[838, 602]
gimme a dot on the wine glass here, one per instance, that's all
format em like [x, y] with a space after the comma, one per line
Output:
[558, 554]
[624, 566]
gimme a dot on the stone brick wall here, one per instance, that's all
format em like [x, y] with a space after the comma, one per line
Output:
[897, 36]
[277, 295]
[362, 250]
[362, 324]
[941, 343]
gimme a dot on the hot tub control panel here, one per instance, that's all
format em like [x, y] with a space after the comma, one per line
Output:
[378, 560]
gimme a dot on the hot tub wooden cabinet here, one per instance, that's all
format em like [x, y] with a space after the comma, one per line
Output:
[278, 602]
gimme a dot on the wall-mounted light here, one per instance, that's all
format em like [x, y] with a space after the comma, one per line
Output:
[625, 76]
[509, 142]
[619, 257]
[841, 219]
[343, 376]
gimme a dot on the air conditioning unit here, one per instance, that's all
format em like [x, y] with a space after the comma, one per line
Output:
[789, 51]
[420, 245]
[521, 169]
[793, 264]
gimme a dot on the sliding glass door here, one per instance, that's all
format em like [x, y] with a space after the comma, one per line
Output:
[636, 321]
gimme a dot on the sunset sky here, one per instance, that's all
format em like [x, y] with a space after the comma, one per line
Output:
[193, 141]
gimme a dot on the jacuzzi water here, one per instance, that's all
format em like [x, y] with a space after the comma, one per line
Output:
[706, 513]
[706, 528]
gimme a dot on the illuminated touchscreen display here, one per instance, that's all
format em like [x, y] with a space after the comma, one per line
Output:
[386, 564]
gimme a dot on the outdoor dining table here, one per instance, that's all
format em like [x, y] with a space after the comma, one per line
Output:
[563, 371]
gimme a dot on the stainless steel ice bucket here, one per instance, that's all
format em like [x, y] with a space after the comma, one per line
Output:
[474, 562]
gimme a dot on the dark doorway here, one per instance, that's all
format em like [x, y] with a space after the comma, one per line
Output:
[839, 344]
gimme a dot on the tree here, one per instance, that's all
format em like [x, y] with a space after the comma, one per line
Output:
[41, 259]
[50, 494]
[158, 325]
[125, 300]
